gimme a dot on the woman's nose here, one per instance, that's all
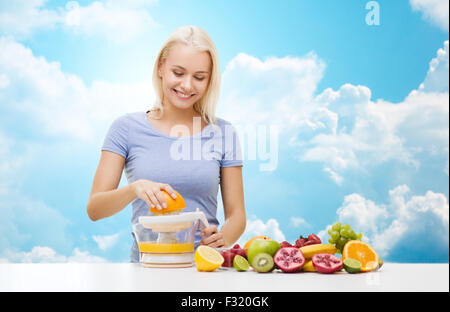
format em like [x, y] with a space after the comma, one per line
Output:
[186, 84]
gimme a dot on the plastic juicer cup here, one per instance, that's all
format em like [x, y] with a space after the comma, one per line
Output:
[168, 243]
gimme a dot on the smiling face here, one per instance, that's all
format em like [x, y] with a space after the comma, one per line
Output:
[185, 75]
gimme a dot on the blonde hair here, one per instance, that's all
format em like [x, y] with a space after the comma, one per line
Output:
[199, 39]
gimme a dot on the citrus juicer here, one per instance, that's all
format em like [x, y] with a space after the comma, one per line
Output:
[166, 239]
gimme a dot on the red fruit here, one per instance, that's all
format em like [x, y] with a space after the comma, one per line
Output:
[241, 252]
[300, 242]
[289, 259]
[315, 238]
[326, 263]
[310, 243]
[285, 244]
[228, 257]
[236, 246]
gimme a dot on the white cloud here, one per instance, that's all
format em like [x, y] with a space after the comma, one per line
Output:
[118, 21]
[255, 227]
[23, 17]
[437, 75]
[435, 11]
[299, 222]
[370, 133]
[399, 223]
[253, 90]
[334, 176]
[362, 213]
[344, 129]
[60, 104]
[43, 254]
[105, 241]
[24, 219]
[52, 104]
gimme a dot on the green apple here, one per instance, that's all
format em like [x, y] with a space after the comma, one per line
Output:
[262, 245]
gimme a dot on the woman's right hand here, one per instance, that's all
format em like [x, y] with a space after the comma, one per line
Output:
[150, 192]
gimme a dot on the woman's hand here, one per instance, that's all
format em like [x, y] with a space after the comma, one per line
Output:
[150, 192]
[212, 237]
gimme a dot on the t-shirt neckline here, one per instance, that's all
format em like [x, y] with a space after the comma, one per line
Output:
[169, 136]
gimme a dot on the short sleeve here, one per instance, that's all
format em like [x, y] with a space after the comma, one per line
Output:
[116, 139]
[232, 154]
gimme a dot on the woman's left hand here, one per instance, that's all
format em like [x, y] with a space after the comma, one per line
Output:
[212, 237]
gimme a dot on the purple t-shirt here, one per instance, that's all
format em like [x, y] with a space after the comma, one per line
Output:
[191, 165]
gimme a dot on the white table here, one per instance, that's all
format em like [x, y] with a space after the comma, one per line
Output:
[118, 277]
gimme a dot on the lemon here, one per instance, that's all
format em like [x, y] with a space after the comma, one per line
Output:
[207, 259]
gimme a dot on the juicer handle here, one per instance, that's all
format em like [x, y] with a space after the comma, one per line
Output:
[201, 216]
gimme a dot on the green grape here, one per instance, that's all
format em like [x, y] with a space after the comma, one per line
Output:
[336, 226]
[334, 235]
[340, 243]
[340, 234]
[344, 232]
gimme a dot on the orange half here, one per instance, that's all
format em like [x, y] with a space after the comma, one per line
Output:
[173, 205]
[362, 252]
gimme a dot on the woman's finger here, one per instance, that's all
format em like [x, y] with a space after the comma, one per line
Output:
[160, 198]
[215, 241]
[169, 190]
[218, 243]
[153, 199]
[209, 231]
[145, 197]
[210, 239]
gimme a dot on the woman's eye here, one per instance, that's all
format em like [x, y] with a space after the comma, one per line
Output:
[181, 74]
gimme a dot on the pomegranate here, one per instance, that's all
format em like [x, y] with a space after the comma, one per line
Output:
[289, 259]
[326, 263]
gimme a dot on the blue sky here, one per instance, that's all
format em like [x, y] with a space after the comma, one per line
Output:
[361, 113]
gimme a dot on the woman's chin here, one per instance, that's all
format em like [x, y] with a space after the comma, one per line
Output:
[181, 104]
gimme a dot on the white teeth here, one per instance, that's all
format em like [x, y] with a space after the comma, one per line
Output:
[182, 94]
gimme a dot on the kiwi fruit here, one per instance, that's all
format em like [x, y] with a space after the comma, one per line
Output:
[263, 262]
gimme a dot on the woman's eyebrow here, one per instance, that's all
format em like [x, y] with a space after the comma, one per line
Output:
[198, 72]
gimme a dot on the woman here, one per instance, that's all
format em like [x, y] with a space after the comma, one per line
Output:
[179, 145]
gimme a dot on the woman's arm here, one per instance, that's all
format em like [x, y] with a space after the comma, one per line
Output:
[106, 200]
[232, 190]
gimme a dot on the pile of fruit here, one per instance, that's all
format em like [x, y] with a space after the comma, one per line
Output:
[341, 234]
[306, 255]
